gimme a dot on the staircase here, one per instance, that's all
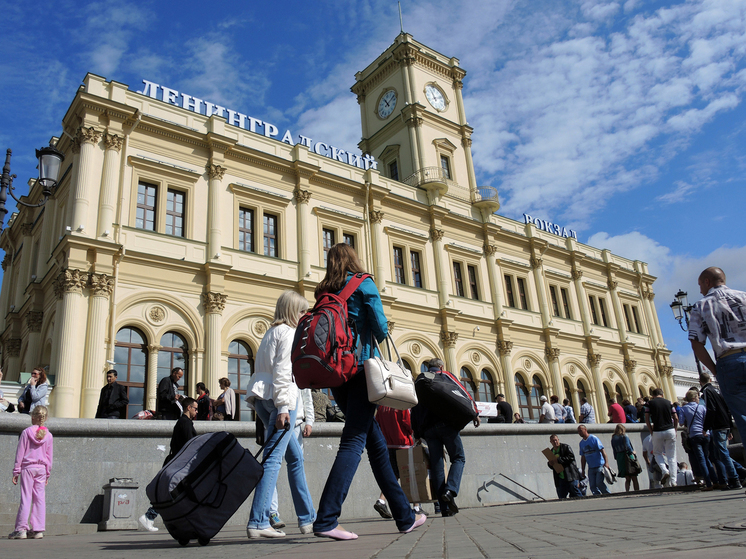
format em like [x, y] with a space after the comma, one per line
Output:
[57, 524]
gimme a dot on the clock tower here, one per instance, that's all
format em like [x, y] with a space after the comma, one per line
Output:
[414, 123]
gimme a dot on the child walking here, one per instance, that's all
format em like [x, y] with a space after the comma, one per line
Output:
[33, 466]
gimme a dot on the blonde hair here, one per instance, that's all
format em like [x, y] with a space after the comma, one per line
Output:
[40, 415]
[620, 429]
[691, 395]
[288, 309]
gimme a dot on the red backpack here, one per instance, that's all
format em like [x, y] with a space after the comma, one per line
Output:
[324, 345]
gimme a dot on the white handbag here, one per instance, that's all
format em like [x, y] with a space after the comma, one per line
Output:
[389, 383]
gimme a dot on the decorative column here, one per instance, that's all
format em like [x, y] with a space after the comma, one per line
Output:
[24, 276]
[552, 354]
[647, 295]
[302, 197]
[414, 144]
[34, 320]
[214, 239]
[575, 401]
[577, 276]
[601, 406]
[618, 311]
[107, 205]
[214, 304]
[379, 250]
[70, 328]
[536, 266]
[667, 384]
[630, 366]
[441, 271]
[494, 273]
[101, 287]
[13, 350]
[151, 384]
[87, 138]
[449, 340]
[504, 348]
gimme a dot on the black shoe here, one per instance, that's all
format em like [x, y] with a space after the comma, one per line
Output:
[735, 484]
[383, 510]
[437, 508]
[450, 498]
[446, 513]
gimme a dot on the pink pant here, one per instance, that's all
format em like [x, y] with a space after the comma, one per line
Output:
[33, 485]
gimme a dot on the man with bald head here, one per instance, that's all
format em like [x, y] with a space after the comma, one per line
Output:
[720, 316]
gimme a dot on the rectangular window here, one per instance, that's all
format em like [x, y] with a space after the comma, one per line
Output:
[472, 271]
[328, 238]
[555, 305]
[246, 230]
[446, 166]
[416, 273]
[594, 316]
[146, 202]
[566, 302]
[637, 320]
[522, 293]
[394, 170]
[627, 319]
[602, 307]
[175, 213]
[458, 279]
[348, 239]
[399, 265]
[270, 236]
[509, 291]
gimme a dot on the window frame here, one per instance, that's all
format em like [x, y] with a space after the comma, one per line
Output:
[244, 231]
[409, 241]
[343, 224]
[326, 246]
[261, 202]
[466, 259]
[416, 271]
[398, 265]
[173, 213]
[458, 279]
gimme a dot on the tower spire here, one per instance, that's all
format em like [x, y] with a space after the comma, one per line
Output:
[401, 21]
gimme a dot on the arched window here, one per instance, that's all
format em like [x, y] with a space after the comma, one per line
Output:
[528, 398]
[408, 366]
[466, 380]
[486, 387]
[423, 367]
[568, 392]
[131, 364]
[618, 394]
[173, 353]
[581, 391]
[240, 367]
[607, 395]
[641, 390]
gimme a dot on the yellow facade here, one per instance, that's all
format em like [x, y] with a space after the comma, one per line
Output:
[83, 268]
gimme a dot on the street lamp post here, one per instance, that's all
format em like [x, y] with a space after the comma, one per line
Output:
[681, 309]
[50, 161]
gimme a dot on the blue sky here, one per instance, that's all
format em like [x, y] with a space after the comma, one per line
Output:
[622, 120]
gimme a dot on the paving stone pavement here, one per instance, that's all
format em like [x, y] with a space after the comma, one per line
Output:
[640, 526]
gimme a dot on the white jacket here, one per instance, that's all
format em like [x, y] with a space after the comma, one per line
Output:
[273, 377]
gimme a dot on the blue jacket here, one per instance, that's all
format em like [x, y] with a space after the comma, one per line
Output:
[366, 309]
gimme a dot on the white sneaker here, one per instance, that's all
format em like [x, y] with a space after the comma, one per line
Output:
[17, 535]
[147, 524]
[255, 533]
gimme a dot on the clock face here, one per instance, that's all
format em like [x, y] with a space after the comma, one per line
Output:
[435, 98]
[387, 103]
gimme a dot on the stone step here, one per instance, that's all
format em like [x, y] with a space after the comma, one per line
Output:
[55, 529]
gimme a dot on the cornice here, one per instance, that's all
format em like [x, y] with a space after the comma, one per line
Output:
[162, 168]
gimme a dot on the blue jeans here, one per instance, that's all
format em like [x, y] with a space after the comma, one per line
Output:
[719, 453]
[288, 447]
[437, 437]
[360, 431]
[731, 375]
[700, 457]
[596, 481]
[565, 488]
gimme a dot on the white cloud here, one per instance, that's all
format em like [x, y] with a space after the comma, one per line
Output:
[679, 194]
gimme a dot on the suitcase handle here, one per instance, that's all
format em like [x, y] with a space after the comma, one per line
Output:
[285, 429]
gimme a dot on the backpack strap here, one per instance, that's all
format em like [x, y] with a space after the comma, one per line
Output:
[352, 285]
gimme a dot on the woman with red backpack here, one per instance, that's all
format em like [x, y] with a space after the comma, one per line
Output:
[361, 430]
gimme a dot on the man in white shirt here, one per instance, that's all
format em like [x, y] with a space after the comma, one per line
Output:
[559, 410]
[547, 411]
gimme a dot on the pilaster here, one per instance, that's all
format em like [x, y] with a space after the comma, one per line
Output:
[101, 287]
[214, 303]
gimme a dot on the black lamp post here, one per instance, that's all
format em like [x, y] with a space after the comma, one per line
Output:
[681, 309]
[50, 161]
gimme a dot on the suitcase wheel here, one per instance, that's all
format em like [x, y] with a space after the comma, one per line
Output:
[183, 541]
[203, 541]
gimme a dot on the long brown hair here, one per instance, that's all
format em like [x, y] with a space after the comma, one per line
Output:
[42, 375]
[340, 259]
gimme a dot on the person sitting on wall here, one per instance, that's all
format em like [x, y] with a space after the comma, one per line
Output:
[113, 400]
[35, 392]
[168, 396]
[4, 404]
[204, 405]
[504, 411]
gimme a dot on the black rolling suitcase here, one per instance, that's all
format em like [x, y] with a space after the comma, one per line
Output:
[444, 396]
[198, 491]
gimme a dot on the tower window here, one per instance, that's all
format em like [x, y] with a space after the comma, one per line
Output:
[445, 165]
[394, 170]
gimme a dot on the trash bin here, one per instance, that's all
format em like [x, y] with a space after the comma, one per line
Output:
[120, 505]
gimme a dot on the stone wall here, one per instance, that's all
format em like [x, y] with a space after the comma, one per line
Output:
[88, 452]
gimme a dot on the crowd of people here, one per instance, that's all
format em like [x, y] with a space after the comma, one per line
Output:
[279, 404]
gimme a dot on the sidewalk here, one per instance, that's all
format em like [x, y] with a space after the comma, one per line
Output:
[687, 524]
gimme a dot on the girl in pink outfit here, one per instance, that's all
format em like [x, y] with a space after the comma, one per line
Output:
[33, 466]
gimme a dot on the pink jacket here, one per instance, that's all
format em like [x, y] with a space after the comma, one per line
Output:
[32, 452]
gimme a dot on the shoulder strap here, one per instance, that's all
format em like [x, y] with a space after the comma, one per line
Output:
[352, 285]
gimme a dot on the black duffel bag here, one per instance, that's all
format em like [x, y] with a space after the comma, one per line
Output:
[445, 397]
